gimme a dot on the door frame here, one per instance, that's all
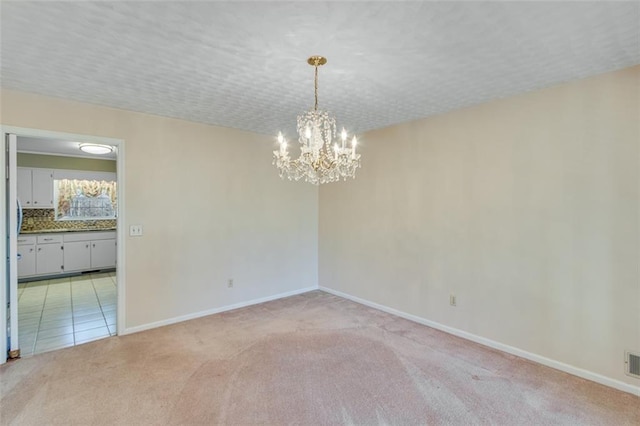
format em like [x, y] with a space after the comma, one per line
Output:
[121, 220]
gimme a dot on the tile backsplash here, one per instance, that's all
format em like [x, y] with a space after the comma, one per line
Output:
[35, 220]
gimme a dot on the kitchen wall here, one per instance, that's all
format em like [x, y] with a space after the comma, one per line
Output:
[36, 220]
[525, 208]
[211, 203]
[61, 162]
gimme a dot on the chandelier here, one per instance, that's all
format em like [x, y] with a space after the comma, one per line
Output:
[321, 160]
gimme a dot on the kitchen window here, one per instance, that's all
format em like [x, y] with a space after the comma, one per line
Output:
[76, 199]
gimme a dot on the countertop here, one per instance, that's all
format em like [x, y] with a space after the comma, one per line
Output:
[61, 231]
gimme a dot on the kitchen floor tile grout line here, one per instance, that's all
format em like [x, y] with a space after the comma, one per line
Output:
[115, 285]
[44, 301]
[73, 318]
[100, 302]
[37, 328]
[93, 286]
[97, 299]
[67, 282]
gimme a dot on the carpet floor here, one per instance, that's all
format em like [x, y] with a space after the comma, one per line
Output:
[312, 359]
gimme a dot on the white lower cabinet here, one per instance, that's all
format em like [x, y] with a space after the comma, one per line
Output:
[103, 253]
[77, 256]
[26, 256]
[51, 254]
[90, 250]
[26, 260]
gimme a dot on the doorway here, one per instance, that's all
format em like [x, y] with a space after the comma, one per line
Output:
[53, 307]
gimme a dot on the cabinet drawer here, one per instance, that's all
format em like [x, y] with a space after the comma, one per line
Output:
[46, 239]
[31, 239]
[105, 235]
[89, 236]
[71, 237]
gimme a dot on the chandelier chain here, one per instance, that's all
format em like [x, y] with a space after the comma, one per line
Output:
[315, 107]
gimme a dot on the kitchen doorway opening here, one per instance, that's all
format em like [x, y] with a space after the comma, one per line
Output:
[65, 247]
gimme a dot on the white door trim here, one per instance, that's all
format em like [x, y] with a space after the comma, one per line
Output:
[121, 234]
[12, 239]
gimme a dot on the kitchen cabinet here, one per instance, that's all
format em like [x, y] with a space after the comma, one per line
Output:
[49, 254]
[42, 187]
[89, 250]
[77, 256]
[103, 253]
[23, 184]
[26, 256]
[35, 187]
[54, 254]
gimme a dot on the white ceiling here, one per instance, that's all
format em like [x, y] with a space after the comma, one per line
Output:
[243, 64]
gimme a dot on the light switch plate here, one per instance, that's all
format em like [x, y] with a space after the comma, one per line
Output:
[135, 231]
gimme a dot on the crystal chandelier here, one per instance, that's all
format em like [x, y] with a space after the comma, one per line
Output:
[321, 160]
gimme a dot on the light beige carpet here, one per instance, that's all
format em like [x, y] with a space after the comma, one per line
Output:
[313, 359]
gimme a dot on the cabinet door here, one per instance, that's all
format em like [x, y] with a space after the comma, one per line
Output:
[49, 258]
[26, 260]
[23, 183]
[42, 188]
[77, 256]
[103, 254]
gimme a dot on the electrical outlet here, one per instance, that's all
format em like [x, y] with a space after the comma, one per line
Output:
[135, 231]
[452, 299]
[230, 283]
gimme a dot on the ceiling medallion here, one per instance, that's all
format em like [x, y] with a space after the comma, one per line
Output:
[321, 160]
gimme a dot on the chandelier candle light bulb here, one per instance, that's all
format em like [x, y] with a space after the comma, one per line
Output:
[316, 133]
[283, 144]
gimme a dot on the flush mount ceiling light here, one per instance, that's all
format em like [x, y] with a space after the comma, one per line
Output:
[316, 131]
[93, 148]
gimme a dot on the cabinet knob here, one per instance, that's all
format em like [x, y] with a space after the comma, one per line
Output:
[39, 248]
[28, 202]
[35, 202]
[30, 250]
[87, 246]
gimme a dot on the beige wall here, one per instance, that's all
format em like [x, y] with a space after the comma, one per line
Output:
[67, 163]
[525, 208]
[211, 203]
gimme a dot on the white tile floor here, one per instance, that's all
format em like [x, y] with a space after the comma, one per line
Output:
[54, 314]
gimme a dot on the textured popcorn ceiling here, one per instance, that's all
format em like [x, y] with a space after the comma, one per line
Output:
[243, 65]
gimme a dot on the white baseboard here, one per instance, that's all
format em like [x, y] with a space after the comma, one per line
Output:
[585, 374]
[195, 315]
